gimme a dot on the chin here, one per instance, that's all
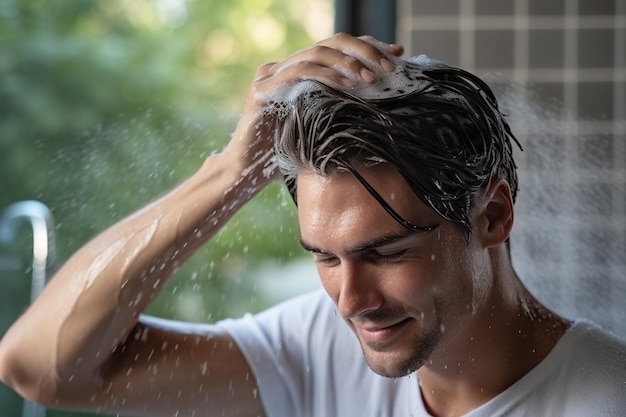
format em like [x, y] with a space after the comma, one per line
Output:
[392, 365]
[402, 360]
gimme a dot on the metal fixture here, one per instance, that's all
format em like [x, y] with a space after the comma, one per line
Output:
[44, 255]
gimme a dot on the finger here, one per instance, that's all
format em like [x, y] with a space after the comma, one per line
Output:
[297, 71]
[320, 55]
[264, 71]
[392, 48]
[368, 50]
[396, 49]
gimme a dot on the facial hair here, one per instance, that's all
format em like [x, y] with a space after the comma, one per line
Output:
[422, 347]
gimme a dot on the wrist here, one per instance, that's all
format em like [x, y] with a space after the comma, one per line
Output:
[239, 180]
[252, 167]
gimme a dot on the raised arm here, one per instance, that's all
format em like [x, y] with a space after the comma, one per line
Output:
[81, 345]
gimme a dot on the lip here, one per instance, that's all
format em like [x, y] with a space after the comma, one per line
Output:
[381, 335]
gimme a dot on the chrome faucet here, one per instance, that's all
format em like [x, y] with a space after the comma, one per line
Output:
[44, 255]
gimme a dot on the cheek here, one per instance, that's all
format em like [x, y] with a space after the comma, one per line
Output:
[331, 282]
[415, 283]
[462, 276]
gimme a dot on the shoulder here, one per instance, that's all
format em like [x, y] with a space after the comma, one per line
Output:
[296, 350]
[297, 314]
[293, 328]
[593, 346]
[594, 367]
[583, 375]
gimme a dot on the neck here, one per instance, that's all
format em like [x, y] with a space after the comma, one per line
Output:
[489, 350]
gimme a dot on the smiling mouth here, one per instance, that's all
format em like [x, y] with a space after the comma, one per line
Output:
[381, 336]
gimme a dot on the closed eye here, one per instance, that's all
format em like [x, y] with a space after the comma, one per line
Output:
[389, 256]
[324, 259]
[395, 255]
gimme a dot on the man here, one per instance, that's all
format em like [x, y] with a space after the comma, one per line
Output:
[404, 181]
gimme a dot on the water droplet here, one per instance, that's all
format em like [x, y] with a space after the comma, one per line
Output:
[204, 368]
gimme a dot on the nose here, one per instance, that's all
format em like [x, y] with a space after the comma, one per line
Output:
[359, 291]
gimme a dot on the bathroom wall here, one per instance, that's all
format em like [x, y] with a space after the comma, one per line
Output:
[559, 67]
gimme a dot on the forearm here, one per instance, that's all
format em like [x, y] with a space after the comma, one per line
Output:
[94, 301]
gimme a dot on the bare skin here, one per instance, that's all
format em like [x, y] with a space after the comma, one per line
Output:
[82, 346]
[432, 301]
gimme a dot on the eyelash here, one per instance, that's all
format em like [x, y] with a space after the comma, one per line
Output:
[325, 260]
[378, 256]
[392, 256]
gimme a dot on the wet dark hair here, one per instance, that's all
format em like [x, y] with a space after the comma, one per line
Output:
[447, 138]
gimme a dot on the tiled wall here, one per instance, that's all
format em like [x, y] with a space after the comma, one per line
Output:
[559, 67]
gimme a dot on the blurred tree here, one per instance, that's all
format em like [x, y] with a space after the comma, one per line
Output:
[105, 104]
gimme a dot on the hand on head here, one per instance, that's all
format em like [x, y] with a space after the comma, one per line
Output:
[341, 61]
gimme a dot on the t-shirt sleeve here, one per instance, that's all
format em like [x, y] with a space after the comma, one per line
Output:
[282, 346]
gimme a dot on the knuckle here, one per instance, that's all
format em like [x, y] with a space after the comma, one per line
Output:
[322, 49]
[264, 69]
[266, 66]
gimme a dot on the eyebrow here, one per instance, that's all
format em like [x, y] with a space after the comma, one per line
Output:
[375, 243]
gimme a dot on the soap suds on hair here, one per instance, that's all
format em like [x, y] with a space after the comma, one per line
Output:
[407, 78]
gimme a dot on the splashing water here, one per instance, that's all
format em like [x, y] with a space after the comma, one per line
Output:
[569, 239]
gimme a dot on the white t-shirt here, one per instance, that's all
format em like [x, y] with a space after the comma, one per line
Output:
[309, 363]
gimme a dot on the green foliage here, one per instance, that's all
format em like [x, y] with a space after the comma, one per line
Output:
[105, 104]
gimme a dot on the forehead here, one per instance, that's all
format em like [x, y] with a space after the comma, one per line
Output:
[337, 210]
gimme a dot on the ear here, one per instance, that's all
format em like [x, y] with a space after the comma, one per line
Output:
[495, 214]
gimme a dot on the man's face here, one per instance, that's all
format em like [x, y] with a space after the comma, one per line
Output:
[405, 294]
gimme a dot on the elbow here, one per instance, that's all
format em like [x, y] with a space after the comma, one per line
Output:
[16, 372]
[10, 373]
[36, 379]
[5, 372]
